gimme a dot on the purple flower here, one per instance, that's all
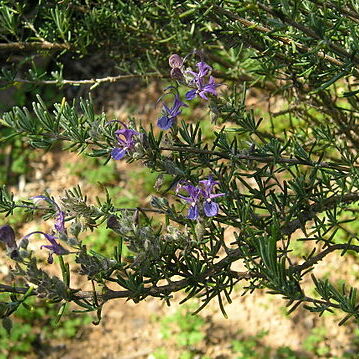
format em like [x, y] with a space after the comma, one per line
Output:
[54, 247]
[203, 71]
[60, 215]
[210, 208]
[198, 80]
[200, 195]
[202, 90]
[170, 114]
[125, 142]
[193, 198]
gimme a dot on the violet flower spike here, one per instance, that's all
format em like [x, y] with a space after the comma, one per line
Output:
[170, 114]
[194, 195]
[54, 247]
[125, 142]
[210, 208]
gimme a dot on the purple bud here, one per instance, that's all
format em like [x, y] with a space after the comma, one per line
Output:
[175, 61]
[177, 74]
[7, 236]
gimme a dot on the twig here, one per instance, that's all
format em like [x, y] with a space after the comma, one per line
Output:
[112, 79]
[285, 40]
[352, 15]
[89, 81]
[31, 46]
[313, 260]
[311, 212]
[335, 48]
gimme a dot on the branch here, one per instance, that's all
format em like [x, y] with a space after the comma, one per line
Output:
[285, 40]
[33, 46]
[311, 212]
[154, 290]
[335, 48]
[315, 259]
[350, 14]
[89, 81]
[321, 302]
[268, 159]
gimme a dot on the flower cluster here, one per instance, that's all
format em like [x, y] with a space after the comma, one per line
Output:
[54, 247]
[200, 197]
[201, 82]
[169, 115]
[125, 142]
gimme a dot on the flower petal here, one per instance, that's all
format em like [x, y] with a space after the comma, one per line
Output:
[165, 122]
[193, 212]
[210, 208]
[118, 153]
[190, 95]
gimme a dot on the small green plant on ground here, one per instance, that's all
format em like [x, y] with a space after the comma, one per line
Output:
[315, 342]
[252, 348]
[187, 331]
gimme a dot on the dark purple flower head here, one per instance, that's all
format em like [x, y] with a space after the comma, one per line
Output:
[169, 115]
[54, 247]
[7, 236]
[60, 215]
[193, 199]
[177, 74]
[125, 142]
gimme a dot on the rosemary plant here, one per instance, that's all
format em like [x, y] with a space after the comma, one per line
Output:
[290, 176]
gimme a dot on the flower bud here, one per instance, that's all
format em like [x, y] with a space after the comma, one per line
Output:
[177, 74]
[7, 236]
[24, 243]
[160, 203]
[24, 253]
[72, 242]
[175, 61]
[199, 230]
[75, 228]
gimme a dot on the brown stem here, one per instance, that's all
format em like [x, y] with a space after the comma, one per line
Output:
[335, 48]
[89, 81]
[33, 46]
[352, 15]
[284, 40]
[315, 259]
[311, 212]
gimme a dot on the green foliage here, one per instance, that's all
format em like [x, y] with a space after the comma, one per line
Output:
[94, 172]
[37, 321]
